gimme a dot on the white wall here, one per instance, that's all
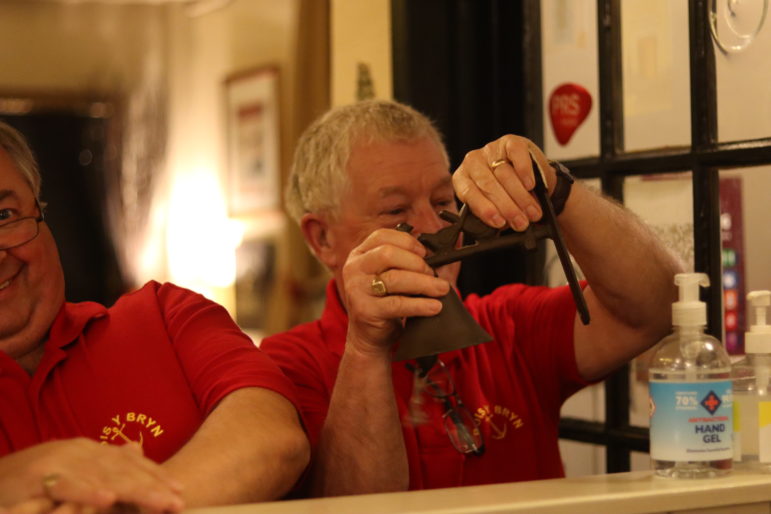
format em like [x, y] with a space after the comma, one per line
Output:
[361, 33]
[204, 50]
[85, 48]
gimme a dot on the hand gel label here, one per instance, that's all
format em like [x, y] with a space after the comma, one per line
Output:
[691, 421]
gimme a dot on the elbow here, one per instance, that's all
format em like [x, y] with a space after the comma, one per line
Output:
[288, 458]
[302, 452]
[296, 453]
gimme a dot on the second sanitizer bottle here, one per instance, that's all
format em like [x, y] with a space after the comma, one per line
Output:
[690, 393]
[752, 391]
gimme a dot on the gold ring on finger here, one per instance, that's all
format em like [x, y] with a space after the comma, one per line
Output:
[497, 163]
[378, 286]
[49, 481]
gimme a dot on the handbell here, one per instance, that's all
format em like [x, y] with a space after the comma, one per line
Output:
[453, 328]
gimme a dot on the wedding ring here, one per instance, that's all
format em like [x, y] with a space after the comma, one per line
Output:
[49, 481]
[497, 163]
[378, 286]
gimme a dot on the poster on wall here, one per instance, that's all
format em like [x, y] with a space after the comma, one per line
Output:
[253, 141]
[732, 253]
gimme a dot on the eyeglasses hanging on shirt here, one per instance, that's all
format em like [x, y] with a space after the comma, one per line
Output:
[431, 378]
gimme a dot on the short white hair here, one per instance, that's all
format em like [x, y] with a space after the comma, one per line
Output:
[318, 176]
[20, 153]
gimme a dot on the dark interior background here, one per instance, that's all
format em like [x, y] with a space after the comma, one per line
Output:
[461, 63]
[70, 149]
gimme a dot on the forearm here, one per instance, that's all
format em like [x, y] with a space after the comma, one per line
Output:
[361, 447]
[251, 448]
[629, 271]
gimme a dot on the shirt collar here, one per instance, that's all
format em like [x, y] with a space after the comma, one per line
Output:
[71, 321]
[66, 329]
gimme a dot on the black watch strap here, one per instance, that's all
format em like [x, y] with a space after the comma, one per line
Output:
[562, 189]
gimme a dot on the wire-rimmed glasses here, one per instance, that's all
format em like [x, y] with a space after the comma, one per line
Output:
[21, 231]
[460, 425]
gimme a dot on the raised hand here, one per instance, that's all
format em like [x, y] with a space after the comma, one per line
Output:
[404, 286]
[496, 181]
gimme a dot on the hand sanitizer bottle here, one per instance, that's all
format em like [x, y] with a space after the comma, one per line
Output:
[752, 392]
[690, 393]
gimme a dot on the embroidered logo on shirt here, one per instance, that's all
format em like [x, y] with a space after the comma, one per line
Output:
[130, 427]
[499, 418]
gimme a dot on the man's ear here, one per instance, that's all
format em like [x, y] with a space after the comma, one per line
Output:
[315, 229]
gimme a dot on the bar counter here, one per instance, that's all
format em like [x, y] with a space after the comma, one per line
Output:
[633, 492]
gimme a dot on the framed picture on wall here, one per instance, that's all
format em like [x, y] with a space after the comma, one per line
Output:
[253, 175]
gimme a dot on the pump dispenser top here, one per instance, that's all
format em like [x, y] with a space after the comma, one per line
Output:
[758, 338]
[688, 310]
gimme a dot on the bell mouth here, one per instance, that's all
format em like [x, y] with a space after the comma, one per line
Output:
[452, 329]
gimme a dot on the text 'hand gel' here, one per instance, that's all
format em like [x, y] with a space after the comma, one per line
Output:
[752, 394]
[690, 393]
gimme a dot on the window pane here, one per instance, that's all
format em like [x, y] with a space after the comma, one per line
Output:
[755, 185]
[581, 459]
[655, 67]
[746, 245]
[587, 404]
[640, 461]
[569, 43]
[665, 203]
[743, 73]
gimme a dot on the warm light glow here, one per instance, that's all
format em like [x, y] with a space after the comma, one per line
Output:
[201, 239]
[151, 262]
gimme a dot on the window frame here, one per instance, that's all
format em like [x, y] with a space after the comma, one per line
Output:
[704, 157]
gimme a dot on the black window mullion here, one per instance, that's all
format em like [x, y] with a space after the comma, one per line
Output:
[706, 186]
[734, 154]
[617, 456]
[610, 80]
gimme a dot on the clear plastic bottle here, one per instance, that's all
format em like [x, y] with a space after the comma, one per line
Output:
[690, 393]
[752, 392]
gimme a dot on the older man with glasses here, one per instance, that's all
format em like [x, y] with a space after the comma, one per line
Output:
[157, 402]
[480, 414]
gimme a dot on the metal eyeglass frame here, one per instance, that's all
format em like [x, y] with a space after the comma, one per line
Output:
[15, 223]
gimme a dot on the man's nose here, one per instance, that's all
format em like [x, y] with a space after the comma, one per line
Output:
[427, 221]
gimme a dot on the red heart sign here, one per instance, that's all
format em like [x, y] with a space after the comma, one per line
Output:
[569, 105]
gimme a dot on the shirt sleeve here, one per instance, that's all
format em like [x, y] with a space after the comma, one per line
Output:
[216, 356]
[308, 372]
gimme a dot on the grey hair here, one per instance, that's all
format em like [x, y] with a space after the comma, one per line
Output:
[20, 153]
[318, 176]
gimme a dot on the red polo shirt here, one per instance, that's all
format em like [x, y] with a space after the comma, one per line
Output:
[514, 386]
[149, 369]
